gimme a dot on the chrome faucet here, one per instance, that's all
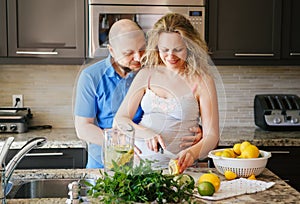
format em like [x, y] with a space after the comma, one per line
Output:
[6, 171]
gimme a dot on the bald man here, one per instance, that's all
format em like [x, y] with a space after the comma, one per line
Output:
[102, 86]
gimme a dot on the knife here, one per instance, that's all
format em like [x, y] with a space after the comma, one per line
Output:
[166, 152]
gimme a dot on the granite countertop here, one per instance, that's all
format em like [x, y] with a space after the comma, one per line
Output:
[67, 138]
[231, 135]
[56, 138]
[279, 193]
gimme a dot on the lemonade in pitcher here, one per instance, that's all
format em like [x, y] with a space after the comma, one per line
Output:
[119, 146]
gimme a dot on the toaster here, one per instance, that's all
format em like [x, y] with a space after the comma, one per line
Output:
[279, 112]
[14, 120]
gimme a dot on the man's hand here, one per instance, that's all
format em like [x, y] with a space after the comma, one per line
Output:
[188, 141]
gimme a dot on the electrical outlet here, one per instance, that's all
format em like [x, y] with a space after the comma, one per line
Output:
[17, 101]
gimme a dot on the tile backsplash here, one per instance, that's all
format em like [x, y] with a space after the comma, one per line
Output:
[48, 90]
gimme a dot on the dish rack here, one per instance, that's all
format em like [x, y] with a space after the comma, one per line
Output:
[242, 167]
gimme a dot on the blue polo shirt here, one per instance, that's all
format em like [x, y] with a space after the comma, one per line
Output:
[100, 92]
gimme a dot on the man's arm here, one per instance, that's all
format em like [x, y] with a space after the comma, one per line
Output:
[87, 130]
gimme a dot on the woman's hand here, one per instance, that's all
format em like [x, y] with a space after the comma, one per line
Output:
[137, 151]
[185, 160]
[154, 142]
[188, 141]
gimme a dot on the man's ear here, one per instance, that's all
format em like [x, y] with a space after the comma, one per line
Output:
[111, 51]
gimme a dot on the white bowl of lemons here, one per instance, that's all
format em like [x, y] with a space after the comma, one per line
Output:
[244, 159]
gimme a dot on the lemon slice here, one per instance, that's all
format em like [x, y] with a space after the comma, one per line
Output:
[125, 158]
[173, 167]
[229, 175]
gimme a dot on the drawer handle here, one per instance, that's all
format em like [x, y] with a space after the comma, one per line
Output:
[280, 152]
[44, 154]
[294, 54]
[254, 54]
[35, 53]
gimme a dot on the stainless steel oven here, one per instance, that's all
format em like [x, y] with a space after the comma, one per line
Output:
[103, 13]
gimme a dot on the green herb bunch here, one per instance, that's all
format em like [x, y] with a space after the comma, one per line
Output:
[140, 184]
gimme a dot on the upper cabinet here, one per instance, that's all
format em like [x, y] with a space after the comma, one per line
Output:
[243, 29]
[291, 29]
[3, 34]
[254, 31]
[47, 29]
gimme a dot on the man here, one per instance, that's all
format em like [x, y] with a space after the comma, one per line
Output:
[102, 87]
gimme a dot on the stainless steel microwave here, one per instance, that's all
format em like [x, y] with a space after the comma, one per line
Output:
[103, 13]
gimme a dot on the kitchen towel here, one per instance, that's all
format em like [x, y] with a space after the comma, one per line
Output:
[237, 187]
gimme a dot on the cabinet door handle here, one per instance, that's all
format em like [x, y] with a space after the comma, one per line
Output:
[294, 54]
[280, 152]
[44, 154]
[254, 54]
[36, 53]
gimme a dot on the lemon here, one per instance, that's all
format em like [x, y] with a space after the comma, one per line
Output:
[226, 154]
[174, 167]
[244, 145]
[206, 188]
[218, 153]
[237, 148]
[231, 152]
[252, 177]
[229, 175]
[212, 178]
[251, 151]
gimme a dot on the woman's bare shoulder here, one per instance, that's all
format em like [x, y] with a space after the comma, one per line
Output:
[201, 84]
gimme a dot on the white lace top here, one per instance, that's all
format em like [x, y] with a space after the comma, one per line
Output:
[169, 117]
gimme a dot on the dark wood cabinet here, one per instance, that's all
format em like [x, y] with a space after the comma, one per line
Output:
[291, 29]
[3, 33]
[51, 29]
[284, 163]
[248, 29]
[51, 158]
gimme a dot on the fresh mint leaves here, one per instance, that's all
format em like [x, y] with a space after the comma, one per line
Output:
[140, 184]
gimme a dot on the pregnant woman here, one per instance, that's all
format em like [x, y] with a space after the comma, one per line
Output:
[176, 92]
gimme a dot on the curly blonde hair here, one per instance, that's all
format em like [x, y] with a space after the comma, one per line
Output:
[197, 58]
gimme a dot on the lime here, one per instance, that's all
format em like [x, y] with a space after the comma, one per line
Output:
[122, 148]
[206, 188]
[212, 178]
[185, 179]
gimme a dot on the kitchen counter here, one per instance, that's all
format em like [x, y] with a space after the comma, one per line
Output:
[66, 137]
[231, 135]
[56, 138]
[279, 193]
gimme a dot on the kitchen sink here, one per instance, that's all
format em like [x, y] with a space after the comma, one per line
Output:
[45, 188]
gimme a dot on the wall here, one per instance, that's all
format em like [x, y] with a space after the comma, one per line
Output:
[48, 90]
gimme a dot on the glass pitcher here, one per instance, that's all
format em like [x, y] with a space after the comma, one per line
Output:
[118, 146]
